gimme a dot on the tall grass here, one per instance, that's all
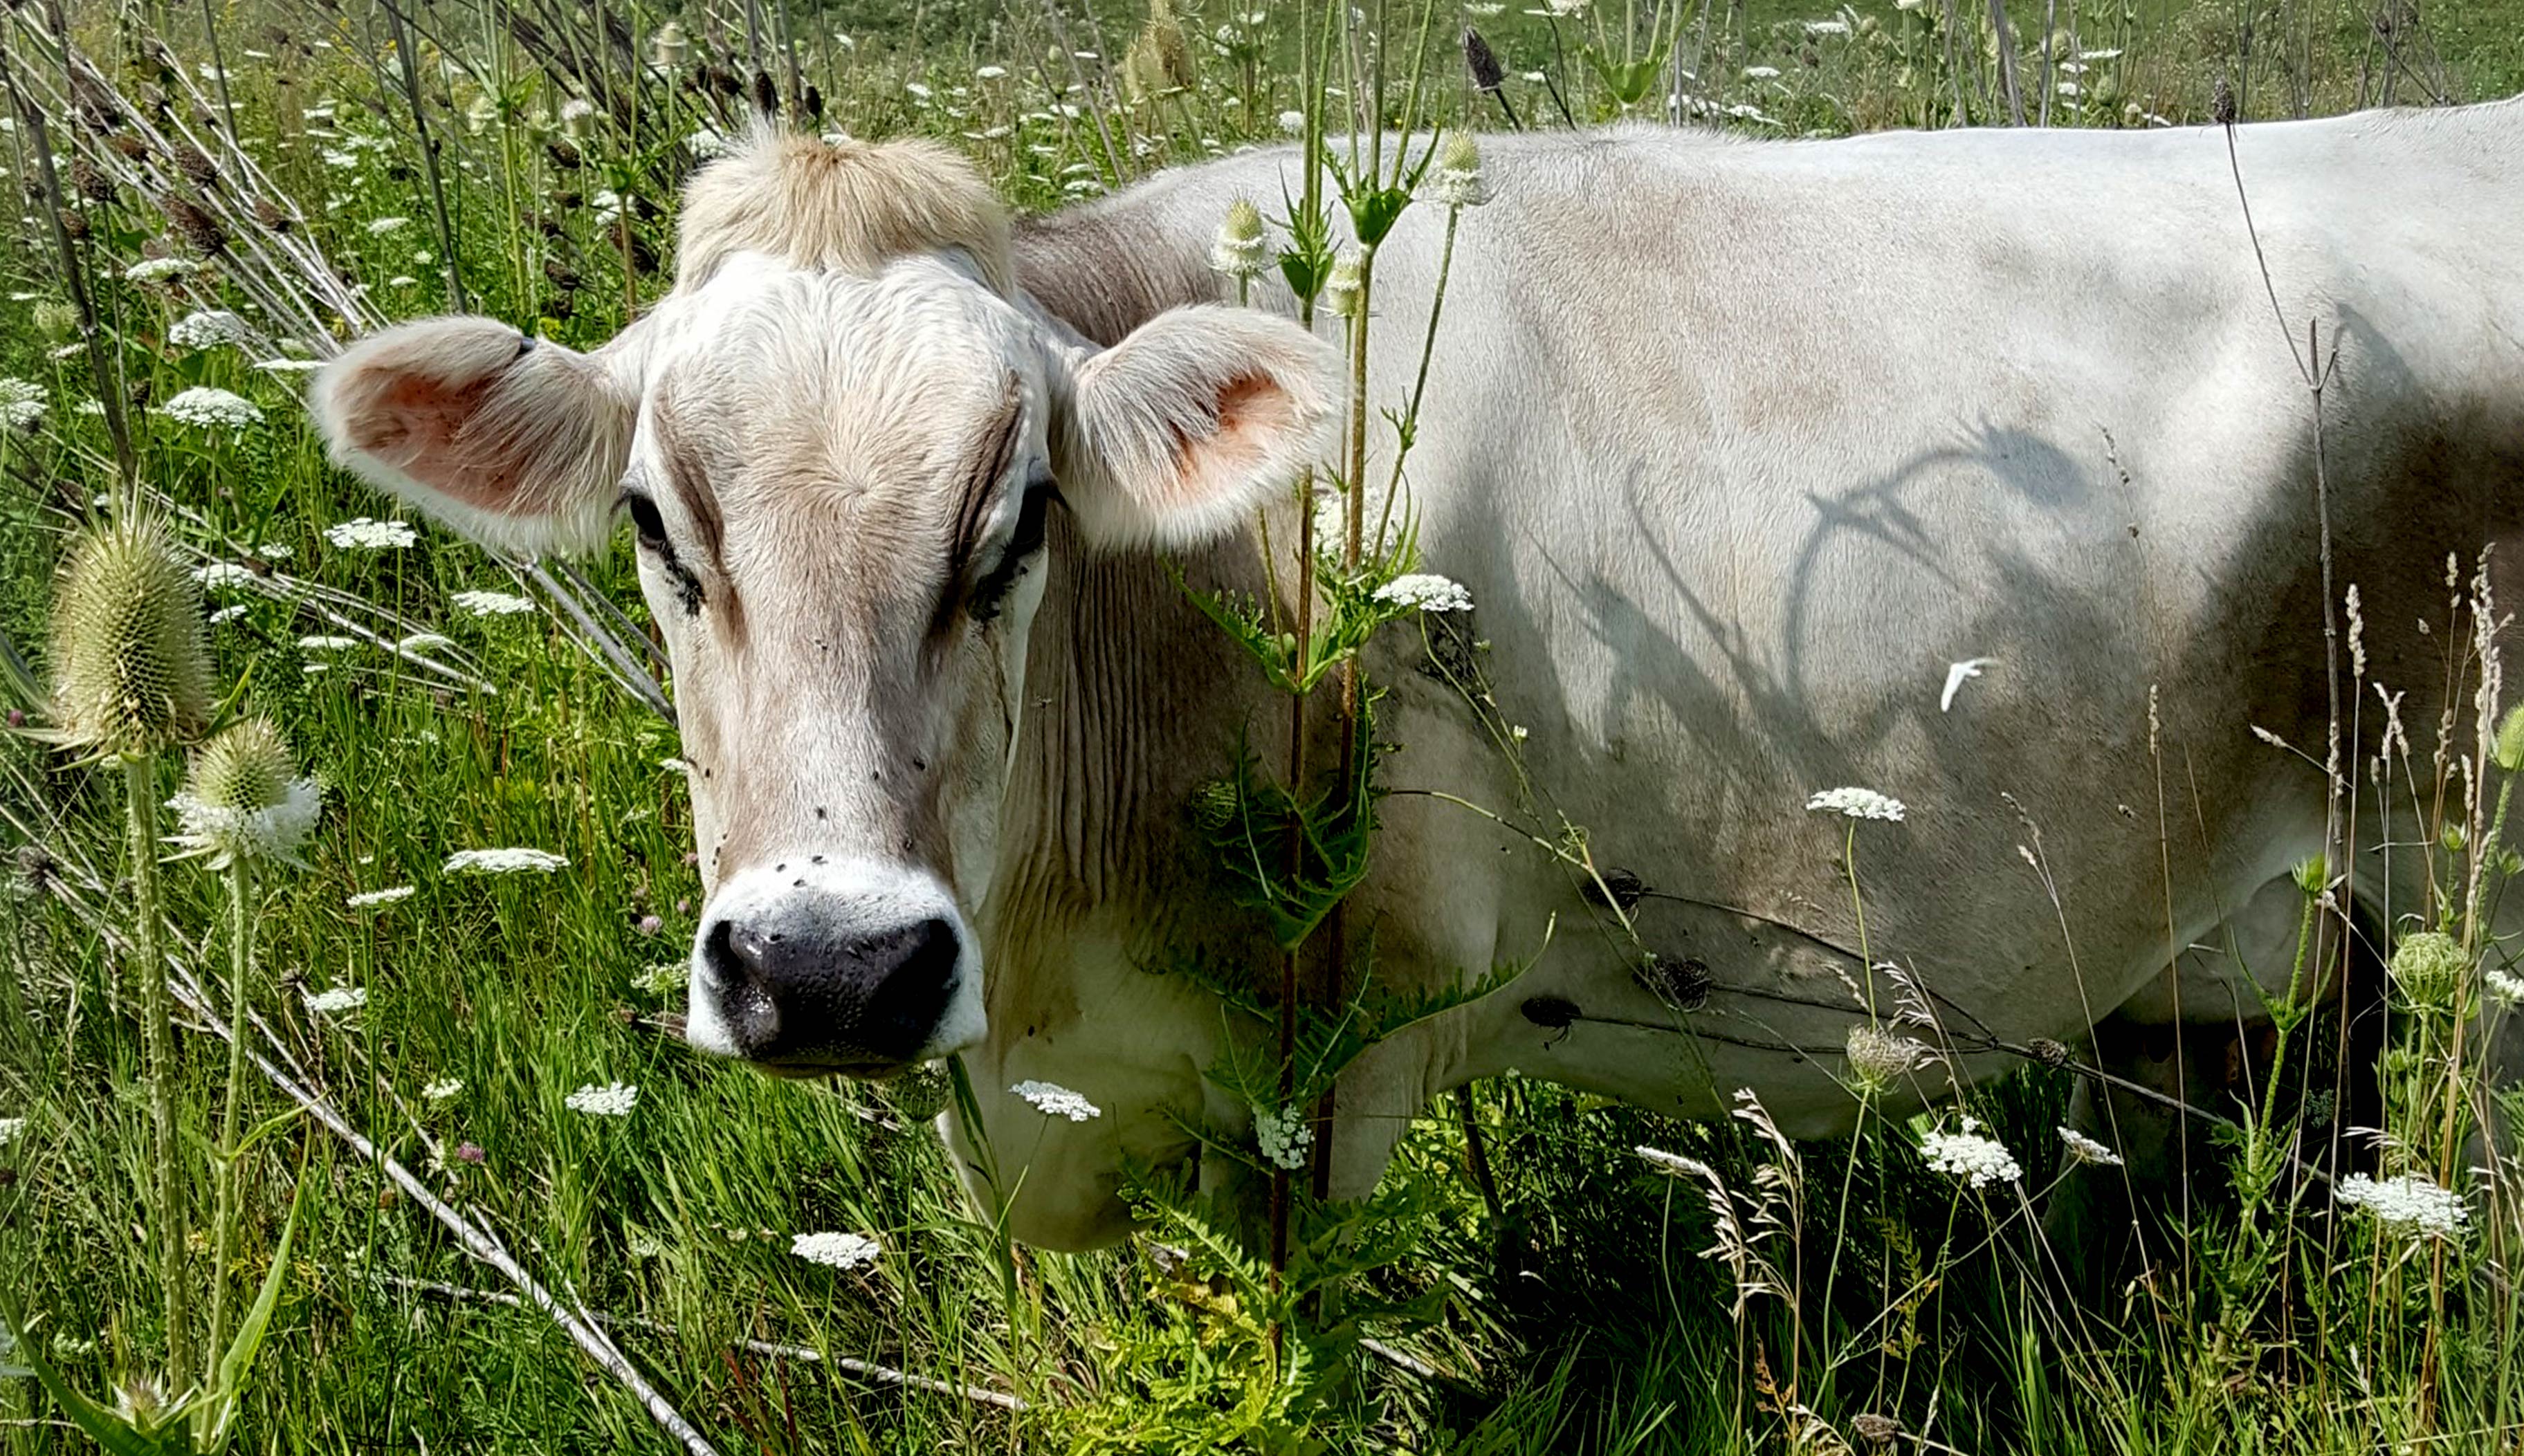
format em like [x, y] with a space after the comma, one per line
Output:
[215, 196]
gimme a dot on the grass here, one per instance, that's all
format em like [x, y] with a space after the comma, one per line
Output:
[1585, 1318]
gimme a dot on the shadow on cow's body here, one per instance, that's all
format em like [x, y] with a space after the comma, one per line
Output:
[1738, 447]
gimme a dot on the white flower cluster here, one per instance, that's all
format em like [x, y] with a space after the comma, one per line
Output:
[666, 978]
[364, 534]
[228, 833]
[842, 1252]
[289, 366]
[1672, 1163]
[2086, 1149]
[207, 407]
[387, 226]
[2407, 1204]
[1857, 803]
[441, 1090]
[1426, 592]
[614, 1099]
[371, 898]
[503, 861]
[337, 1000]
[10, 1129]
[321, 644]
[1967, 1155]
[1285, 1135]
[207, 328]
[2505, 986]
[219, 576]
[157, 270]
[21, 404]
[492, 604]
[1051, 1099]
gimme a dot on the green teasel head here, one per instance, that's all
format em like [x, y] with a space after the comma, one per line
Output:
[131, 659]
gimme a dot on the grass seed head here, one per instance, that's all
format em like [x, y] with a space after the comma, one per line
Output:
[2509, 751]
[131, 662]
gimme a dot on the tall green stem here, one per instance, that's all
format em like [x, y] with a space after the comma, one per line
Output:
[158, 1050]
[223, 1224]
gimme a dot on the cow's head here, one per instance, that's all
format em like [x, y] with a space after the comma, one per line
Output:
[838, 439]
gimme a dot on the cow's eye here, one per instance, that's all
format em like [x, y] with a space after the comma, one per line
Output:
[1025, 542]
[647, 521]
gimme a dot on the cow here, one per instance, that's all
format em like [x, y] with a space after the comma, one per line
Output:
[1976, 469]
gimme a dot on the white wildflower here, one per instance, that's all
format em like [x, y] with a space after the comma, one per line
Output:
[1241, 249]
[370, 898]
[492, 604]
[2409, 1204]
[289, 366]
[226, 614]
[842, 1252]
[273, 831]
[1564, 9]
[206, 329]
[157, 270]
[1878, 1058]
[503, 861]
[2086, 1149]
[206, 407]
[614, 1099]
[2503, 986]
[319, 643]
[1054, 1101]
[1292, 123]
[988, 72]
[337, 1000]
[21, 404]
[11, 1128]
[1285, 1135]
[387, 226]
[918, 93]
[1967, 1155]
[1826, 27]
[1857, 803]
[441, 1090]
[364, 534]
[666, 978]
[1761, 73]
[422, 641]
[1425, 591]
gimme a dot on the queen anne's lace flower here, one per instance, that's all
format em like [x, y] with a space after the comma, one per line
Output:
[441, 1090]
[364, 534]
[321, 644]
[503, 861]
[21, 404]
[10, 1129]
[1977, 1160]
[2502, 987]
[386, 226]
[1857, 803]
[2086, 1149]
[367, 898]
[157, 270]
[1051, 1099]
[223, 575]
[207, 407]
[1427, 592]
[1283, 1135]
[207, 328]
[614, 1099]
[2409, 1204]
[337, 1000]
[842, 1252]
[492, 604]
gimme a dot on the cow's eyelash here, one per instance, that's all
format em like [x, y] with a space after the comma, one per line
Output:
[1025, 539]
[652, 526]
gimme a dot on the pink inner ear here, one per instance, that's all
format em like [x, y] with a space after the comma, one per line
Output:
[1250, 407]
[420, 427]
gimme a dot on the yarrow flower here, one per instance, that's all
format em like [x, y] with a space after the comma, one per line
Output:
[365, 534]
[2407, 1204]
[157, 270]
[1054, 1101]
[1977, 1160]
[842, 1252]
[614, 1099]
[1425, 591]
[440, 1092]
[2086, 1149]
[206, 329]
[1283, 1135]
[492, 604]
[1241, 247]
[207, 407]
[1857, 803]
[339, 999]
[503, 861]
[21, 404]
[244, 800]
[367, 898]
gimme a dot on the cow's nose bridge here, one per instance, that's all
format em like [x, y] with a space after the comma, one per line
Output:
[819, 962]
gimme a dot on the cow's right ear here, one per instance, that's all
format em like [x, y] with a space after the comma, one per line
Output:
[515, 442]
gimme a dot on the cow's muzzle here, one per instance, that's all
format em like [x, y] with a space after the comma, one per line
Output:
[808, 967]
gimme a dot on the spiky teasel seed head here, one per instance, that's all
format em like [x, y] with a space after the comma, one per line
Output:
[2509, 751]
[1878, 1058]
[1456, 180]
[1240, 250]
[669, 47]
[1160, 59]
[131, 661]
[1349, 275]
[2429, 967]
[244, 800]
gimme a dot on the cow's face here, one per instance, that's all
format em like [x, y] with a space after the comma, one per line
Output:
[840, 482]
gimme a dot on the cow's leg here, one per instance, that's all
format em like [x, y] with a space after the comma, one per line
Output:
[2200, 1037]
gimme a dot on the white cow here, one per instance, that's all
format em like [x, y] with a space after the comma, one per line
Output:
[1737, 447]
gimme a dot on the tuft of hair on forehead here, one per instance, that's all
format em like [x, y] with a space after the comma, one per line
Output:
[849, 205]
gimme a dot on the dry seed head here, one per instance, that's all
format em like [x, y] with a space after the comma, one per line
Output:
[1160, 60]
[131, 662]
[1878, 1058]
[668, 47]
[1482, 62]
[244, 798]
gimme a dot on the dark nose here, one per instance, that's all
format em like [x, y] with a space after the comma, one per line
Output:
[811, 1001]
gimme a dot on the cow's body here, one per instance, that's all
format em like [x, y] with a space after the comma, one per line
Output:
[1738, 448]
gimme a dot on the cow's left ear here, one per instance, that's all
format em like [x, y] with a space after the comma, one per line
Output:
[1178, 432]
